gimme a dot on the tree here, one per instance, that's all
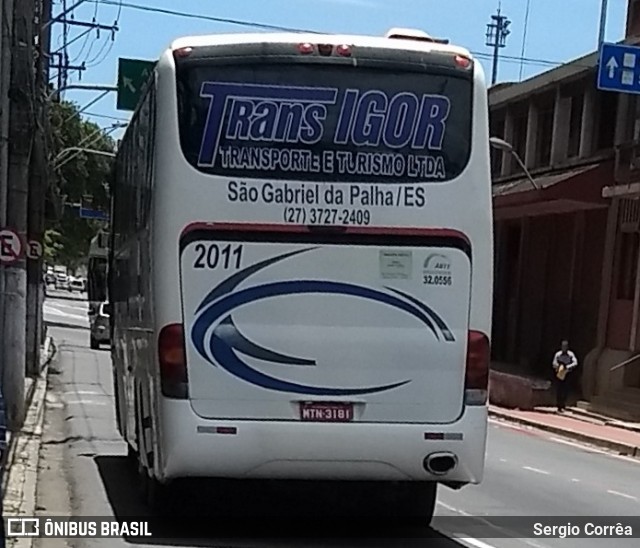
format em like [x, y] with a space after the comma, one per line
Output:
[79, 174]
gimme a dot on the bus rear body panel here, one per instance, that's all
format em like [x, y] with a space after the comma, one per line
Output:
[369, 332]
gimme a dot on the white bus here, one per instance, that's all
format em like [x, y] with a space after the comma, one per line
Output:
[301, 273]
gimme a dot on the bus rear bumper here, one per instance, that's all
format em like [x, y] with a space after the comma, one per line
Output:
[194, 447]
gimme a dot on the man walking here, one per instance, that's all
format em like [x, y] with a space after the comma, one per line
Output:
[564, 362]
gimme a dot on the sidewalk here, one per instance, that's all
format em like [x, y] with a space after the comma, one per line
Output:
[624, 439]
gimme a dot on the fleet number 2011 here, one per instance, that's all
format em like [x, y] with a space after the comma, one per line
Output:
[214, 256]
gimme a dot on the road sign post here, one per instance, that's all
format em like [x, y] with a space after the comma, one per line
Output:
[10, 246]
[132, 76]
[34, 249]
[619, 68]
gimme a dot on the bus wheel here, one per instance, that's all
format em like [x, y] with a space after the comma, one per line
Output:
[160, 498]
[416, 504]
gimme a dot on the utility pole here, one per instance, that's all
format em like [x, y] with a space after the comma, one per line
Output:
[6, 34]
[497, 32]
[39, 179]
[21, 130]
[603, 23]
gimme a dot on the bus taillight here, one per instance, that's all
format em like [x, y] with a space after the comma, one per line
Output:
[305, 48]
[173, 363]
[476, 382]
[462, 61]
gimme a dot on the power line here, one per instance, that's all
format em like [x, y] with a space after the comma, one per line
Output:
[524, 37]
[141, 7]
[255, 24]
[106, 116]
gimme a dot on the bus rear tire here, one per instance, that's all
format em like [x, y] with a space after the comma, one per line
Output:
[95, 345]
[160, 498]
[416, 504]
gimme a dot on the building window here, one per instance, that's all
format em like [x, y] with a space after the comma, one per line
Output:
[544, 134]
[627, 265]
[575, 125]
[607, 114]
[519, 140]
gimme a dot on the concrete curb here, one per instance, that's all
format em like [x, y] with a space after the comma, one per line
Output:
[22, 468]
[620, 447]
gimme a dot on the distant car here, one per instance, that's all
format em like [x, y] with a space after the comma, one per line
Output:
[62, 282]
[99, 330]
[76, 285]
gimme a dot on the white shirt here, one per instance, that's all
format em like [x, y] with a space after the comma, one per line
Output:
[572, 364]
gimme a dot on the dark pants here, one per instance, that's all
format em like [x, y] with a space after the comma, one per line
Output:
[562, 391]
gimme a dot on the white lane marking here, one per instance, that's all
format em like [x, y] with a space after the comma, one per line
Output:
[619, 494]
[452, 509]
[474, 541]
[575, 480]
[585, 446]
[85, 402]
[536, 470]
[78, 306]
[591, 449]
[55, 312]
[503, 460]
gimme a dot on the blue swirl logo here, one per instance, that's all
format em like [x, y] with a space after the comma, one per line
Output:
[219, 341]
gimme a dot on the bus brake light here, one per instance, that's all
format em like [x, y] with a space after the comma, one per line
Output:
[183, 52]
[462, 61]
[173, 363]
[477, 372]
[305, 48]
[344, 50]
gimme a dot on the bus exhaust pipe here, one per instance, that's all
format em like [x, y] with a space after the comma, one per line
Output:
[440, 464]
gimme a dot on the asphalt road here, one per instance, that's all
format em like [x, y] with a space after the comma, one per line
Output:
[528, 473]
[66, 309]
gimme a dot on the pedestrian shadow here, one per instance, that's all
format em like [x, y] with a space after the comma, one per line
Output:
[208, 513]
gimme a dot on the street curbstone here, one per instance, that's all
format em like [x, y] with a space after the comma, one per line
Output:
[625, 449]
[20, 478]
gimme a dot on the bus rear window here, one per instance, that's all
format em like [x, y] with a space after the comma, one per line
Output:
[324, 123]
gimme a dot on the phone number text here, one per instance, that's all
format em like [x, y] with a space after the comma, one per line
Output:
[326, 216]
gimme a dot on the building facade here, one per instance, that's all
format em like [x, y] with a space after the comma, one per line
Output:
[560, 260]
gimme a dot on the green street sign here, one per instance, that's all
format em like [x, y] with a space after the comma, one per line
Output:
[132, 76]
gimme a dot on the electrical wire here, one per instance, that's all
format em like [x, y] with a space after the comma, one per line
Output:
[187, 15]
[106, 116]
[88, 105]
[75, 39]
[101, 133]
[245, 23]
[524, 37]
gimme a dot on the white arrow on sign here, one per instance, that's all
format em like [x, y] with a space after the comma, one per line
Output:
[612, 65]
[128, 83]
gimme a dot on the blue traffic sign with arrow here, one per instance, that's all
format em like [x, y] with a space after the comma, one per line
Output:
[619, 68]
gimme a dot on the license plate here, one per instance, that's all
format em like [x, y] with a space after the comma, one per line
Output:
[326, 412]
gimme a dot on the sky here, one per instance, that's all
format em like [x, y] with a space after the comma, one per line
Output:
[557, 31]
